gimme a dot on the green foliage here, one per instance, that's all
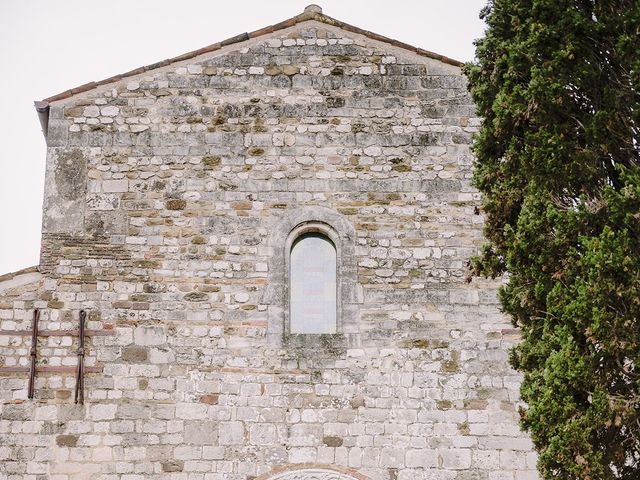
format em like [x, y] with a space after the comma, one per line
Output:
[557, 83]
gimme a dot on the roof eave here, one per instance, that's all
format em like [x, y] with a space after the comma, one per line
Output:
[42, 107]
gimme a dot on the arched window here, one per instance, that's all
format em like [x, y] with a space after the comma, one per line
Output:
[313, 284]
[299, 314]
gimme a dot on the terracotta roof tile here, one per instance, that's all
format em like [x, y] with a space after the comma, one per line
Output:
[262, 31]
[162, 63]
[285, 24]
[207, 49]
[133, 72]
[111, 79]
[243, 37]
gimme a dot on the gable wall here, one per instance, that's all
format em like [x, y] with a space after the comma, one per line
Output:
[168, 198]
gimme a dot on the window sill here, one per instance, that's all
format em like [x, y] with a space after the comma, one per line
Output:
[335, 343]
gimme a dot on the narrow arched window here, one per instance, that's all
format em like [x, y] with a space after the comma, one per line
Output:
[312, 284]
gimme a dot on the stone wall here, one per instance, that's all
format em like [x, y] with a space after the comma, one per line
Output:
[168, 199]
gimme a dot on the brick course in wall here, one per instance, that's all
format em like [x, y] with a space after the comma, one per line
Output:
[169, 198]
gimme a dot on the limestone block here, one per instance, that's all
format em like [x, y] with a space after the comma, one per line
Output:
[187, 452]
[455, 458]
[115, 186]
[201, 433]
[149, 335]
[392, 457]
[231, 433]
[191, 411]
[302, 455]
[109, 111]
[262, 434]
[103, 412]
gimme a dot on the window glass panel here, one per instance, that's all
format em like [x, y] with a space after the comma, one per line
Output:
[313, 285]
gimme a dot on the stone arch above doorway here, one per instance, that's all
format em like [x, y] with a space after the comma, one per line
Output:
[313, 473]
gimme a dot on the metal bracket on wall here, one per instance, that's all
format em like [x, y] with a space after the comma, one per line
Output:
[33, 368]
[34, 348]
[79, 394]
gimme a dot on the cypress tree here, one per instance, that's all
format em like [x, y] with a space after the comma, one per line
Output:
[557, 83]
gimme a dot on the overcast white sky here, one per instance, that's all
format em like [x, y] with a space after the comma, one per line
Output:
[47, 46]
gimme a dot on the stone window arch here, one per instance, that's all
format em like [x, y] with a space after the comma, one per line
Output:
[283, 233]
[312, 253]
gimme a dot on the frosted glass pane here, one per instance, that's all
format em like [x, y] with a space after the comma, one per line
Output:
[313, 285]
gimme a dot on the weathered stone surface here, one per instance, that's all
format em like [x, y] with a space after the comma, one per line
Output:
[135, 354]
[311, 474]
[170, 200]
[176, 204]
[147, 335]
[67, 440]
[172, 466]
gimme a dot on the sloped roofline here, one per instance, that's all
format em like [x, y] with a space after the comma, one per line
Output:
[311, 12]
[19, 278]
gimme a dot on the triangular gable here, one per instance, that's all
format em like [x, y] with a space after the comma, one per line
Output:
[311, 12]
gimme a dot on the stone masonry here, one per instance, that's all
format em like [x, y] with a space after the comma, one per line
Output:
[170, 194]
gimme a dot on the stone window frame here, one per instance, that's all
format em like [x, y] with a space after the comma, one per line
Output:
[342, 233]
[298, 231]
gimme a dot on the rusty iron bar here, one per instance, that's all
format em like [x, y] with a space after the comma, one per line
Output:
[33, 352]
[57, 333]
[49, 369]
[79, 394]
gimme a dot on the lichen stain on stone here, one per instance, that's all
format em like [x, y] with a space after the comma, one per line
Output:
[95, 225]
[67, 440]
[423, 343]
[70, 174]
[415, 343]
[196, 297]
[452, 365]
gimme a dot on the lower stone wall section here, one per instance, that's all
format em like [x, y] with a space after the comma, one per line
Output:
[194, 400]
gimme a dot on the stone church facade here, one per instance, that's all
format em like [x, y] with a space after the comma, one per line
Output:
[175, 198]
